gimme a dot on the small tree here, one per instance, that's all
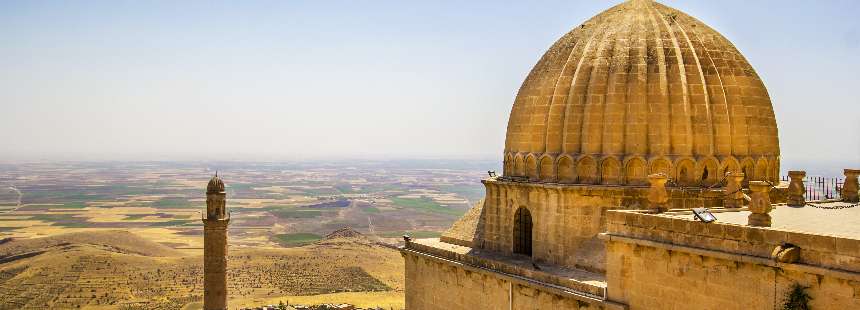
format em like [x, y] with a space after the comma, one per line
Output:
[797, 298]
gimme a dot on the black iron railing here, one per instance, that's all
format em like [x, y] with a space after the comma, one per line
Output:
[821, 188]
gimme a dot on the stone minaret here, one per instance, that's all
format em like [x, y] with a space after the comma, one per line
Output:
[215, 246]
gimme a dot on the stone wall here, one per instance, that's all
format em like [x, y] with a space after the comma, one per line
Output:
[440, 284]
[567, 218]
[646, 277]
[825, 251]
[652, 259]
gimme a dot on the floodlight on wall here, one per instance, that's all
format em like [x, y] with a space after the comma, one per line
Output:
[492, 173]
[704, 215]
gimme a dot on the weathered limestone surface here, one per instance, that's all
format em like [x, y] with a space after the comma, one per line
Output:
[646, 277]
[642, 88]
[582, 281]
[677, 228]
[666, 261]
[438, 284]
[567, 218]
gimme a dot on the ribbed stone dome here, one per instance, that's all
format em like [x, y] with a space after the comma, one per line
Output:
[641, 88]
[216, 185]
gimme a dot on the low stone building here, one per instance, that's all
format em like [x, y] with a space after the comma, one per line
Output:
[625, 125]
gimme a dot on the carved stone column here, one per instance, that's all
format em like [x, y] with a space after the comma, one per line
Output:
[849, 189]
[760, 205]
[658, 198]
[734, 190]
[796, 189]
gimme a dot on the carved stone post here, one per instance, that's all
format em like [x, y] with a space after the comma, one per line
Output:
[849, 189]
[734, 194]
[760, 205]
[658, 198]
[796, 189]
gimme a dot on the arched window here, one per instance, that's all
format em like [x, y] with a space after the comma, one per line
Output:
[523, 232]
[684, 177]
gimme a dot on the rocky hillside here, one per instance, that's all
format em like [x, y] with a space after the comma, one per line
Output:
[120, 270]
[114, 241]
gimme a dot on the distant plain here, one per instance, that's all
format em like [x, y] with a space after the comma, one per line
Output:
[281, 214]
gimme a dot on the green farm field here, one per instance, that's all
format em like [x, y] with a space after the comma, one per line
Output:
[150, 214]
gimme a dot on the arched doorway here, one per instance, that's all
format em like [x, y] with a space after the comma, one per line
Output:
[523, 232]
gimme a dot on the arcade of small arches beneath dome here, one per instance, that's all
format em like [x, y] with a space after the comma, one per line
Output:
[634, 170]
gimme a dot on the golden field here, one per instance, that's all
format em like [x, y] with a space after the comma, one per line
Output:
[121, 270]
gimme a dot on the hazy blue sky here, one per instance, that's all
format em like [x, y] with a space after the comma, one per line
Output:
[299, 79]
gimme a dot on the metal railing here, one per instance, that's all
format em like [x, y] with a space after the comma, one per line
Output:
[821, 188]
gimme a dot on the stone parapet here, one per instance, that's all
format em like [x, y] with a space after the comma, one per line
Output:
[816, 250]
[436, 282]
[581, 281]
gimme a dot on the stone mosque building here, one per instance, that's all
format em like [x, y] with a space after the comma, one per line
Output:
[626, 127]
